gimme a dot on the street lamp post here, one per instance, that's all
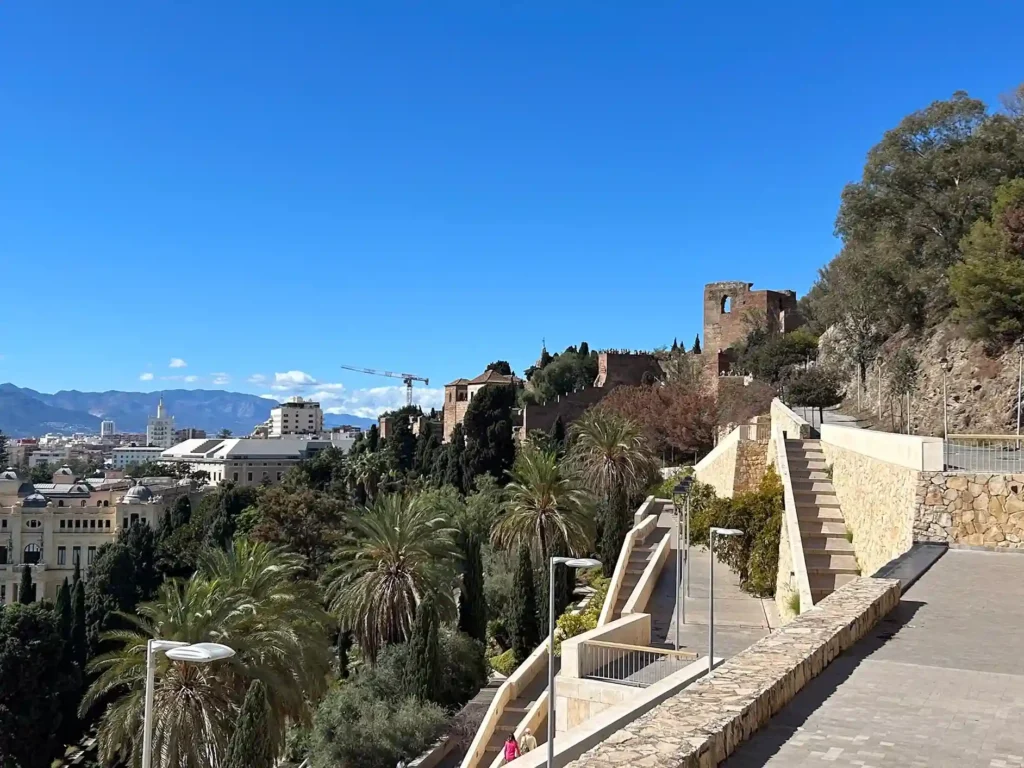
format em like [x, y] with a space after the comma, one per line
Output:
[195, 653]
[711, 591]
[945, 401]
[569, 562]
[681, 490]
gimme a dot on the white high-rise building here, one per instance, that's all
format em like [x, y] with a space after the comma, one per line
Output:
[160, 429]
[296, 417]
[107, 428]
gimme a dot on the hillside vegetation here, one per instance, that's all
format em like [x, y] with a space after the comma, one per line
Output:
[931, 270]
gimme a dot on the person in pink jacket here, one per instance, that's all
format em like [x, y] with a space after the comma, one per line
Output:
[511, 750]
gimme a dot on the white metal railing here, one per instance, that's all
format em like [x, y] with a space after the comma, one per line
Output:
[987, 454]
[630, 664]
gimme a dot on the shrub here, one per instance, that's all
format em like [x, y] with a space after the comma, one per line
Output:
[463, 671]
[663, 490]
[572, 624]
[505, 663]
[355, 729]
[755, 554]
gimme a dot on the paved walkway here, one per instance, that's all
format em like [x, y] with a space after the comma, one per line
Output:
[939, 683]
[740, 619]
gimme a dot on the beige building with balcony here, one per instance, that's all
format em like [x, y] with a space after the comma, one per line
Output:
[50, 526]
[296, 417]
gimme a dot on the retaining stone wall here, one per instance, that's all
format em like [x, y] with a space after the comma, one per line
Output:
[703, 724]
[978, 510]
[877, 499]
[751, 464]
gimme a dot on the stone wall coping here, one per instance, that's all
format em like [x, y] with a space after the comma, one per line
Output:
[792, 521]
[705, 723]
[793, 425]
[723, 445]
[636, 534]
[923, 454]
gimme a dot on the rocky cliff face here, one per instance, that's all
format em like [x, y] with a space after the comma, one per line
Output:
[981, 389]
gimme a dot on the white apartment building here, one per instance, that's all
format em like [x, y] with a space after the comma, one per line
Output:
[296, 417]
[107, 428]
[160, 429]
[245, 460]
[124, 456]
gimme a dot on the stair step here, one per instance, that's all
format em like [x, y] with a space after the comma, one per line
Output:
[811, 527]
[818, 545]
[809, 474]
[829, 581]
[819, 513]
[806, 456]
[803, 465]
[814, 498]
[830, 563]
[803, 485]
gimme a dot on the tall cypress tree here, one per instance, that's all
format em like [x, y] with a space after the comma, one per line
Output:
[696, 345]
[249, 747]
[78, 642]
[614, 528]
[558, 434]
[675, 345]
[64, 609]
[26, 590]
[72, 675]
[472, 602]
[524, 630]
[426, 653]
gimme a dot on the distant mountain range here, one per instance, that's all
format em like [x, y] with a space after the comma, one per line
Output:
[25, 412]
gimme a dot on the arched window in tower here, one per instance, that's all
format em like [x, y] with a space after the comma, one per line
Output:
[726, 305]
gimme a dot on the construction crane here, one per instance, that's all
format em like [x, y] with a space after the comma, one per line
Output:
[407, 378]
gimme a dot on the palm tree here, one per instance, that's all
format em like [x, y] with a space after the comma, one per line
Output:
[615, 461]
[611, 454]
[250, 599]
[401, 552]
[546, 508]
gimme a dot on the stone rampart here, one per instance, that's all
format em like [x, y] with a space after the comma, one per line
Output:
[702, 725]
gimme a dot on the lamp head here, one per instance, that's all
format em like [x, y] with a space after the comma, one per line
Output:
[727, 531]
[576, 562]
[201, 653]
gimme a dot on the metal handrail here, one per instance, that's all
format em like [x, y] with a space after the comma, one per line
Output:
[660, 651]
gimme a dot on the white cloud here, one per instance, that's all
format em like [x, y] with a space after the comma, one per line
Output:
[269, 397]
[145, 377]
[177, 362]
[191, 379]
[370, 403]
[220, 379]
[293, 379]
[257, 378]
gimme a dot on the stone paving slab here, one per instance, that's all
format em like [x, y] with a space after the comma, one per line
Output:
[940, 682]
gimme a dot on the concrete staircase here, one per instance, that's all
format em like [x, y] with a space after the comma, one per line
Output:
[511, 716]
[828, 555]
[638, 560]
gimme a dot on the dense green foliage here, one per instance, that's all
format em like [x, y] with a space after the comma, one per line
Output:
[248, 747]
[472, 599]
[561, 374]
[912, 242]
[988, 285]
[817, 387]
[32, 680]
[490, 442]
[755, 554]
[523, 620]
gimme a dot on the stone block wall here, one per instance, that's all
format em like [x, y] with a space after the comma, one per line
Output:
[878, 500]
[784, 587]
[973, 509]
[704, 723]
[718, 468]
[751, 464]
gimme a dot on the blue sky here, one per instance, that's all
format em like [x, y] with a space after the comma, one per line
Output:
[267, 189]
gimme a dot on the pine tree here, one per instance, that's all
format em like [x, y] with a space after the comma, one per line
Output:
[78, 641]
[249, 747]
[696, 345]
[524, 630]
[26, 590]
[584, 349]
[472, 602]
[426, 653]
[675, 345]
